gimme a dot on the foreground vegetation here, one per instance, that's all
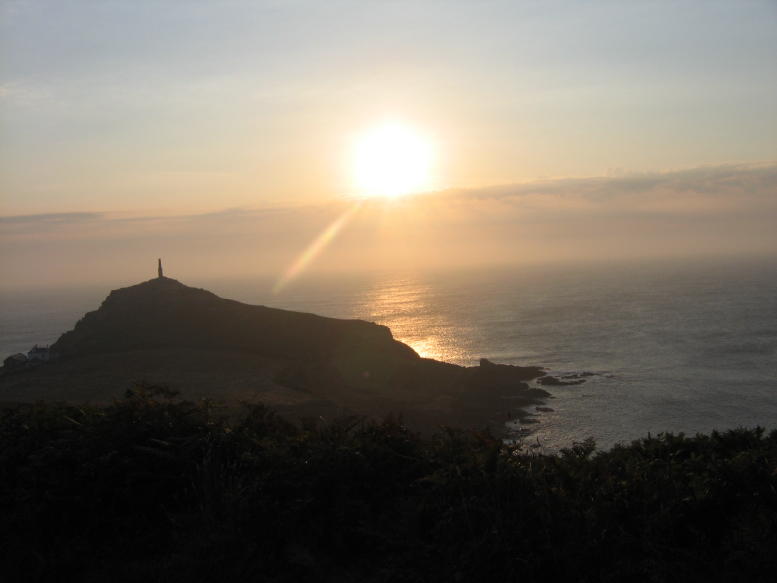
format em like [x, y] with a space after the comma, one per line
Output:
[155, 489]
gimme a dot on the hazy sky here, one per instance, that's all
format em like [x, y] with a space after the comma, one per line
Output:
[714, 211]
[197, 106]
[217, 133]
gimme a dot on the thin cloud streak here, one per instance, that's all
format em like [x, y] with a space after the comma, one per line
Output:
[49, 218]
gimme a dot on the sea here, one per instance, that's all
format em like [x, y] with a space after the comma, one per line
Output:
[672, 346]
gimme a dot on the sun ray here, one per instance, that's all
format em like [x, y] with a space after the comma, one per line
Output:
[316, 247]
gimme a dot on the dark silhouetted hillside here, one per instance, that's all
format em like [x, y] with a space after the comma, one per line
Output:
[164, 313]
[165, 332]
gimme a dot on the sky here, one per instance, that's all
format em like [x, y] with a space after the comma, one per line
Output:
[212, 131]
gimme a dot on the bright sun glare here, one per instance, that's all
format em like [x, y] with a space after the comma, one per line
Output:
[392, 160]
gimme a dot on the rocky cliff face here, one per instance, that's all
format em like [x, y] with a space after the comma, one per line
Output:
[163, 313]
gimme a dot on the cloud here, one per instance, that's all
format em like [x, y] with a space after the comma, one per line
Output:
[710, 180]
[49, 218]
[713, 210]
[742, 188]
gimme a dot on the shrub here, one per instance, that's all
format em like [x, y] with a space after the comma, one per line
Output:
[156, 488]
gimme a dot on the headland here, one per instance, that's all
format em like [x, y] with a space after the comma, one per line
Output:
[166, 333]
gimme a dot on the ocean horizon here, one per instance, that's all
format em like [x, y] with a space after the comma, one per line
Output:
[672, 346]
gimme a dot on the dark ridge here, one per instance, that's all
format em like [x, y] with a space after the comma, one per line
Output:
[163, 312]
[165, 332]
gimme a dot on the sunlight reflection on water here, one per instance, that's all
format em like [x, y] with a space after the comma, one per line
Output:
[406, 306]
[681, 347]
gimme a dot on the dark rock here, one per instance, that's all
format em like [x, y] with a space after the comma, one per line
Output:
[537, 394]
[554, 381]
[15, 362]
[504, 374]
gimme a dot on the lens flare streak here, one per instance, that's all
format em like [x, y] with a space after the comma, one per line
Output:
[316, 247]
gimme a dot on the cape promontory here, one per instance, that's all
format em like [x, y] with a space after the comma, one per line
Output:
[162, 331]
[164, 313]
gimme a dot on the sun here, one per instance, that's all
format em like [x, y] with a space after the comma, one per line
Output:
[390, 160]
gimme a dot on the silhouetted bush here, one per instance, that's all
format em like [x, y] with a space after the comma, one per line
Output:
[153, 488]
